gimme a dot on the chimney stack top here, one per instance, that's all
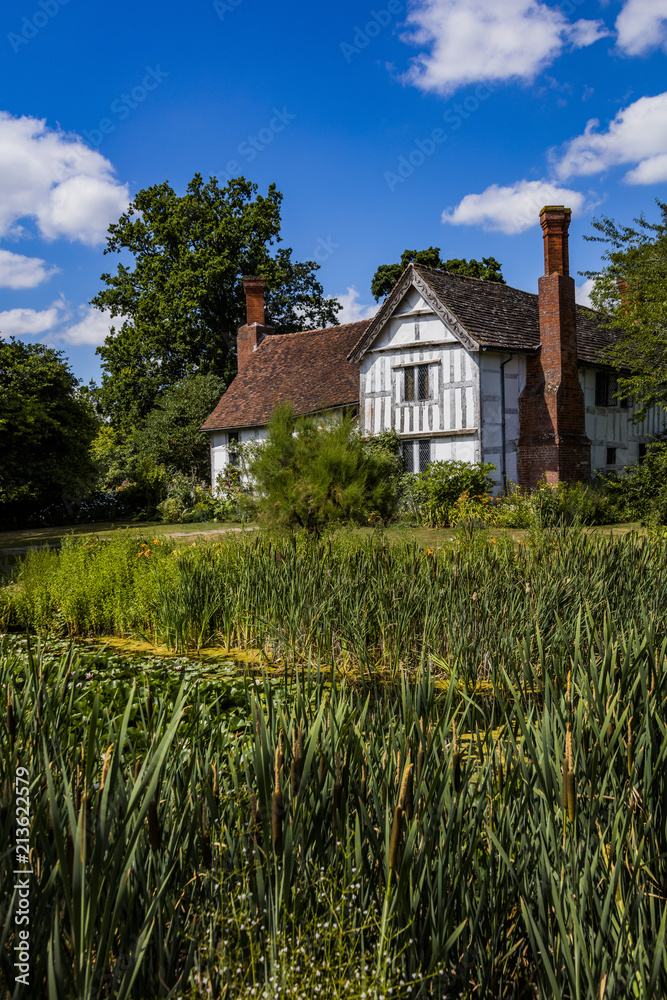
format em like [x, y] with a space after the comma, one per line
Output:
[555, 222]
[254, 292]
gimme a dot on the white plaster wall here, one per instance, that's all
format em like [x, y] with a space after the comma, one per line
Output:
[491, 418]
[453, 406]
[424, 325]
[220, 447]
[613, 427]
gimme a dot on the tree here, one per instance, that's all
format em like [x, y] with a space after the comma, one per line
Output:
[171, 436]
[47, 424]
[631, 292]
[316, 471]
[182, 300]
[387, 275]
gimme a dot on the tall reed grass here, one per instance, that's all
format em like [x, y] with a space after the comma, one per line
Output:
[397, 840]
[370, 605]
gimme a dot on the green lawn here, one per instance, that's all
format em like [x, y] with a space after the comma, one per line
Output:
[52, 536]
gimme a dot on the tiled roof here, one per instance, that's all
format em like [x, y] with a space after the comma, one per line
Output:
[494, 316]
[309, 369]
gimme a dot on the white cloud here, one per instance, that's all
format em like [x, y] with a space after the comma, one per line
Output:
[638, 134]
[55, 179]
[353, 311]
[583, 293]
[467, 41]
[642, 26]
[17, 271]
[511, 209]
[92, 328]
[22, 322]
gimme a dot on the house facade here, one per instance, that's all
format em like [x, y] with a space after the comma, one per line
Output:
[460, 368]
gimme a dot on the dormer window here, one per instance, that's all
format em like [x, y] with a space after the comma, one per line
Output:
[416, 383]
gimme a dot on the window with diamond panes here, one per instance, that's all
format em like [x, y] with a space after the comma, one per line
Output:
[409, 456]
[424, 455]
[416, 383]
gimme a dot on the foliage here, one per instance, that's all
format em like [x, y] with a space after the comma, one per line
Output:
[434, 492]
[244, 842]
[630, 291]
[182, 301]
[639, 493]
[316, 472]
[386, 276]
[372, 606]
[171, 434]
[47, 424]
[190, 500]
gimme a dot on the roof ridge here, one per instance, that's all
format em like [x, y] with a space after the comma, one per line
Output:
[318, 329]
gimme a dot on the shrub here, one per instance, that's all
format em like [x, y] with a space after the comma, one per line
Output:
[191, 501]
[313, 472]
[433, 493]
[640, 492]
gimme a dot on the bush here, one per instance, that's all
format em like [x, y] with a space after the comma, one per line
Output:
[431, 495]
[190, 501]
[313, 472]
[640, 492]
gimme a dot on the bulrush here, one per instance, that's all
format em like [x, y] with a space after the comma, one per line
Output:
[570, 790]
[277, 804]
[11, 722]
[207, 856]
[456, 760]
[399, 813]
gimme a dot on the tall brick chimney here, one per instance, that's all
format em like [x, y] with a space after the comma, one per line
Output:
[552, 425]
[253, 332]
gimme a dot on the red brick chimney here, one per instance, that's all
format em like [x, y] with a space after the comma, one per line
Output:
[253, 332]
[552, 426]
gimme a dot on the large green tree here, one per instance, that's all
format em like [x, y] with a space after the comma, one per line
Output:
[171, 436]
[386, 276]
[181, 296]
[47, 424]
[631, 291]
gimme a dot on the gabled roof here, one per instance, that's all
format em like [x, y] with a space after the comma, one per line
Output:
[484, 315]
[309, 369]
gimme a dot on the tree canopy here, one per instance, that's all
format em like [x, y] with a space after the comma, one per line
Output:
[386, 276]
[47, 424]
[181, 300]
[171, 436]
[631, 291]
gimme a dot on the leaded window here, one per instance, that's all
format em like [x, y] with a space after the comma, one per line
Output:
[416, 383]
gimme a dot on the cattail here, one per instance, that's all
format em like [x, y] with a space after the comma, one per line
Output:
[571, 795]
[384, 779]
[630, 747]
[398, 769]
[338, 791]
[149, 704]
[215, 779]
[420, 751]
[456, 759]
[137, 765]
[399, 813]
[105, 766]
[207, 857]
[154, 833]
[409, 792]
[610, 727]
[568, 694]
[277, 805]
[362, 787]
[11, 722]
[280, 757]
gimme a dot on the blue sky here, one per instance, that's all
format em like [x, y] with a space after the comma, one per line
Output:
[386, 126]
